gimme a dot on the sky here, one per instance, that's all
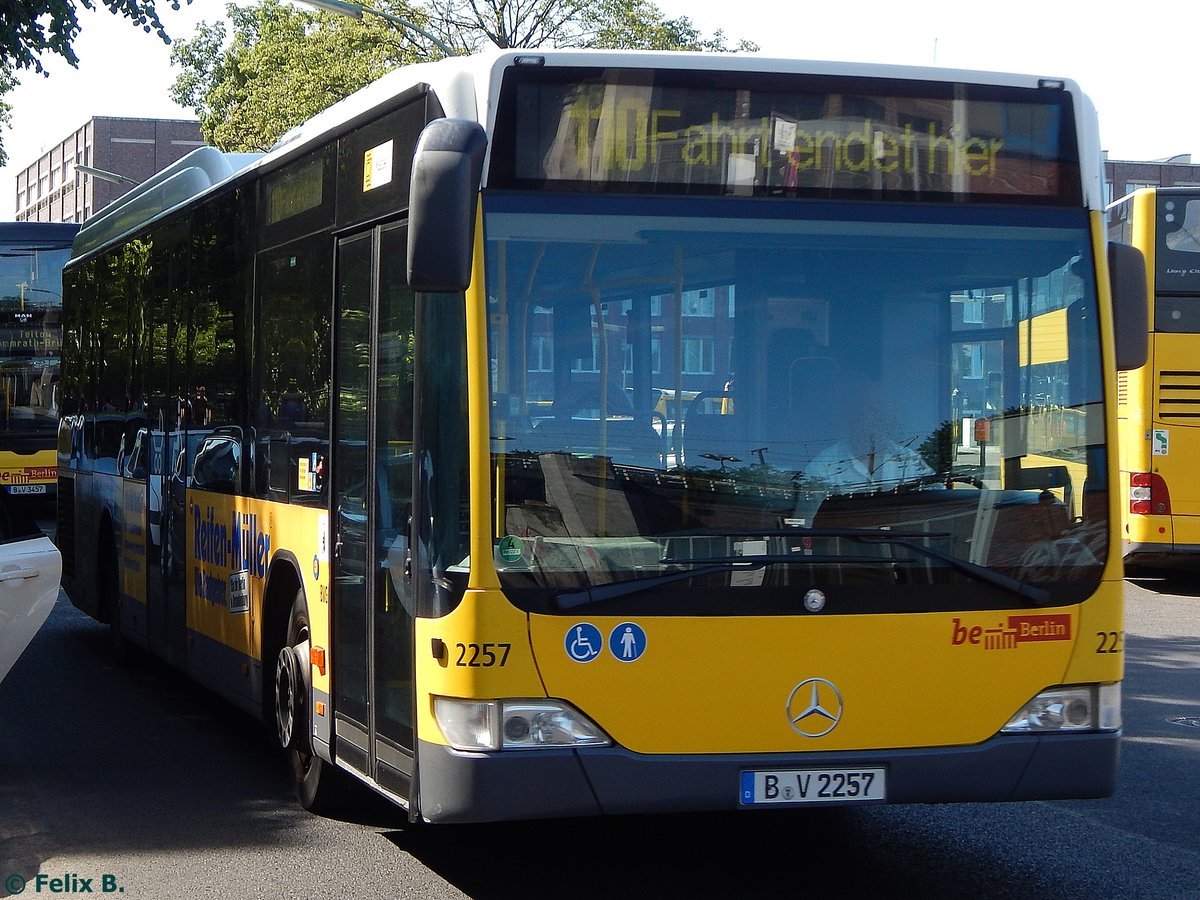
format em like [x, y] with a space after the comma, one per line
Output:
[1144, 91]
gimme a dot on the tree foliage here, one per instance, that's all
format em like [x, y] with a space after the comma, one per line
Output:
[8, 81]
[282, 64]
[281, 67]
[612, 24]
[30, 29]
[639, 25]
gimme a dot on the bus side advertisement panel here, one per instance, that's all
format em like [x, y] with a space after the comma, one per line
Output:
[231, 545]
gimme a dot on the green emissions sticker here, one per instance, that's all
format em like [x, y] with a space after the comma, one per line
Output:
[511, 548]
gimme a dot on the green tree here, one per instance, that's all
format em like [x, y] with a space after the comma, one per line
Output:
[29, 29]
[8, 81]
[282, 65]
[611, 24]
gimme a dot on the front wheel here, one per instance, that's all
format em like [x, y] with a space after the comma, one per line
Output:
[320, 786]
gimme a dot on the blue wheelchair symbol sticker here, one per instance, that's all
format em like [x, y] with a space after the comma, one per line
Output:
[584, 642]
[627, 641]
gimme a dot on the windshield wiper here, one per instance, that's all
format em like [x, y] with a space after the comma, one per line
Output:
[708, 566]
[717, 565]
[908, 540]
[972, 477]
[601, 592]
[1036, 595]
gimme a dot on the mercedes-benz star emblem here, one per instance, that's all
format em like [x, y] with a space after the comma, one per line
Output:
[814, 707]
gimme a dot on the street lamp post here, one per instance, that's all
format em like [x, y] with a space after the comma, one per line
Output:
[104, 175]
[356, 10]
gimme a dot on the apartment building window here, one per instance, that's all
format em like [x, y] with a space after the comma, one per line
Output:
[588, 364]
[655, 305]
[655, 357]
[541, 353]
[697, 303]
[698, 354]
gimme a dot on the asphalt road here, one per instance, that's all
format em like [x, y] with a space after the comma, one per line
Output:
[137, 775]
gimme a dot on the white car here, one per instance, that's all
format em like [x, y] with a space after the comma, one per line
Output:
[30, 571]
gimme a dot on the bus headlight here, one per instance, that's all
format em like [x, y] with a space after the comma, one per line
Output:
[1084, 707]
[514, 724]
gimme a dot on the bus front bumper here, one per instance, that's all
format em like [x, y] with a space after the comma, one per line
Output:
[483, 787]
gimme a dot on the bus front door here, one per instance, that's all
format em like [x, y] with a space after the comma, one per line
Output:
[372, 491]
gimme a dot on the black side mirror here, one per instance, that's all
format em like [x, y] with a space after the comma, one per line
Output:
[1130, 303]
[446, 173]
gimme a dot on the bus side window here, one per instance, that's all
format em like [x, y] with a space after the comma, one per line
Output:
[218, 464]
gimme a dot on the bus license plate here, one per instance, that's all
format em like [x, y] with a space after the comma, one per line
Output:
[792, 786]
[27, 489]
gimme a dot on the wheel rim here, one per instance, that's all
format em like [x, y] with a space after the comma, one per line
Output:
[287, 697]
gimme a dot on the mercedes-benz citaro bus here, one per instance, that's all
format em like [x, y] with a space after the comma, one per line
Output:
[1158, 405]
[567, 433]
[32, 255]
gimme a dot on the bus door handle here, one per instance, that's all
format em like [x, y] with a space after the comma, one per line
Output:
[337, 549]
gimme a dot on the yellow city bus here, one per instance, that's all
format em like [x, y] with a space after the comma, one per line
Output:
[32, 255]
[1158, 406]
[567, 433]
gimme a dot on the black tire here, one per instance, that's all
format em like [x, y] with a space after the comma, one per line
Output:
[320, 787]
[110, 601]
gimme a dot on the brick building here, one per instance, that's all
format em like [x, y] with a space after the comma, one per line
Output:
[1126, 176]
[52, 190]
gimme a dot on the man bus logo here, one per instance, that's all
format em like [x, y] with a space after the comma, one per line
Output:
[814, 707]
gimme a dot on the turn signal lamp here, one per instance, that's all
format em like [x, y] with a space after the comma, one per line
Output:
[1081, 707]
[515, 724]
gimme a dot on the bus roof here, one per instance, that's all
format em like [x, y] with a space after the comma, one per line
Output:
[37, 231]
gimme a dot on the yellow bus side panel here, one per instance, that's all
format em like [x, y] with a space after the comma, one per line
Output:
[1174, 394]
[1164, 440]
[1148, 529]
[231, 542]
[133, 540]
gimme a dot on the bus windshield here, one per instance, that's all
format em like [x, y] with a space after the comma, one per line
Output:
[30, 333]
[882, 401]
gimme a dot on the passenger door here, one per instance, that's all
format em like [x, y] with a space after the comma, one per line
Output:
[372, 491]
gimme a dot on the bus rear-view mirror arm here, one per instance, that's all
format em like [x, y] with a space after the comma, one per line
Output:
[446, 174]
[1127, 275]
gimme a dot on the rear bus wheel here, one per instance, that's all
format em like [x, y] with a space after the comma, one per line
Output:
[109, 584]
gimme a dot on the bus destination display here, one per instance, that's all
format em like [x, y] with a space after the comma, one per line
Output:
[597, 133]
